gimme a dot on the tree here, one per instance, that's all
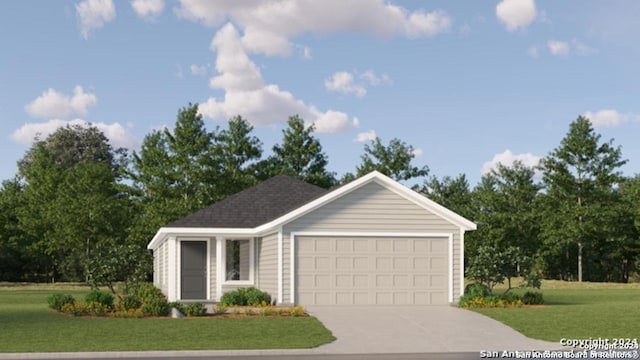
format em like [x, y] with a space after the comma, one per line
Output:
[452, 193]
[579, 178]
[393, 160]
[175, 173]
[504, 205]
[238, 153]
[492, 266]
[301, 155]
[70, 203]
[126, 263]
[15, 260]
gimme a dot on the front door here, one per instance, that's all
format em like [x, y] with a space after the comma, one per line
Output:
[193, 270]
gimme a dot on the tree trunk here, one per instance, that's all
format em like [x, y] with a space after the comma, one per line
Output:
[580, 246]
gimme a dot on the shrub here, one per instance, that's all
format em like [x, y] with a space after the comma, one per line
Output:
[96, 308]
[256, 297]
[129, 302]
[477, 290]
[220, 309]
[147, 291]
[58, 300]
[511, 298]
[245, 296]
[102, 297]
[297, 311]
[73, 309]
[195, 309]
[156, 306]
[532, 298]
[131, 313]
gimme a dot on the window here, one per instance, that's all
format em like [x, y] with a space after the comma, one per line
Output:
[238, 260]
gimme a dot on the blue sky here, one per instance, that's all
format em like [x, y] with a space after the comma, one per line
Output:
[467, 83]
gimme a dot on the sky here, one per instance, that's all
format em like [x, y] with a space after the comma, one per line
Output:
[467, 83]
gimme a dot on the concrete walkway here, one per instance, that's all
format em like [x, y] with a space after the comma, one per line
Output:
[418, 329]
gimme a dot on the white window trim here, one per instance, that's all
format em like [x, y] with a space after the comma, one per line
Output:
[252, 269]
[293, 236]
[280, 267]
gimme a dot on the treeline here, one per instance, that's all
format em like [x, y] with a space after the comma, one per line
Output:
[77, 206]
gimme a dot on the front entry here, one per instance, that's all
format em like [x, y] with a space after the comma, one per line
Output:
[193, 270]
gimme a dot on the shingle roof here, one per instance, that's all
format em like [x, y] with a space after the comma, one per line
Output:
[254, 206]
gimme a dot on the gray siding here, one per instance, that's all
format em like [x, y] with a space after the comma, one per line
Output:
[371, 208]
[267, 265]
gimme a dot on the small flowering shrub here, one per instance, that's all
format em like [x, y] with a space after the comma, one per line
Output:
[73, 309]
[129, 302]
[95, 308]
[131, 313]
[297, 311]
[245, 296]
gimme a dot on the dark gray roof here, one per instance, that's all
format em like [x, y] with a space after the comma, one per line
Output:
[254, 206]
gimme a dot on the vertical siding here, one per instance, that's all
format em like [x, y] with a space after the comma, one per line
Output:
[267, 264]
[371, 208]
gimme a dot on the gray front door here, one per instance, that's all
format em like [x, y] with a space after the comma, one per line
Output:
[193, 270]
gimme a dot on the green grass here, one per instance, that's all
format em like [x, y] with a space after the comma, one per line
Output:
[27, 325]
[577, 311]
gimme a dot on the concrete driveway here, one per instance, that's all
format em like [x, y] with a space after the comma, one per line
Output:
[418, 329]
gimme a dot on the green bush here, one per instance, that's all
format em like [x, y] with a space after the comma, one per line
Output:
[58, 300]
[195, 309]
[96, 308]
[130, 302]
[156, 306]
[532, 298]
[256, 297]
[245, 296]
[102, 297]
[477, 290]
[74, 309]
[511, 298]
[147, 291]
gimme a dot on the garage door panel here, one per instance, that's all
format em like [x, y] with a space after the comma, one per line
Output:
[371, 271]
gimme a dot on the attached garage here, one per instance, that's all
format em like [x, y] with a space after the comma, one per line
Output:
[372, 242]
[373, 270]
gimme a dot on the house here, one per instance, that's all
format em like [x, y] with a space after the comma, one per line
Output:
[370, 242]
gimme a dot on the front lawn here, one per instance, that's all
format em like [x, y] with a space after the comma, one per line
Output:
[577, 311]
[27, 325]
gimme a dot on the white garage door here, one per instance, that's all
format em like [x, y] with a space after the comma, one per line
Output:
[372, 271]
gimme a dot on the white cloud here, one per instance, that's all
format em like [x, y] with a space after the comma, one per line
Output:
[118, 135]
[52, 104]
[610, 118]
[268, 25]
[366, 136]
[148, 9]
[559, 48]
[94, 14]
[418, 152]
[348, 83]
[533, 51]
[246, 93]
[516, 14]
[342, 81]
[198, 69]
[306, 53]
[507, 158]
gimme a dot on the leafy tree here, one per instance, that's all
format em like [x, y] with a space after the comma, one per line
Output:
[452, 193]
[393, 160]
[14, 254]
[579, 177]
[111, 264]
[491, 266]
[301, 155]
[70, 203]
[504, 204]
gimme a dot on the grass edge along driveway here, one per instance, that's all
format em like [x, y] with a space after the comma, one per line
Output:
[577, 311]
[27, 325]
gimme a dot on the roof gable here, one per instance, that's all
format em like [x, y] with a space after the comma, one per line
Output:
[253, 206]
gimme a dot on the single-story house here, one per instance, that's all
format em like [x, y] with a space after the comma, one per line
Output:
[372, 241]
